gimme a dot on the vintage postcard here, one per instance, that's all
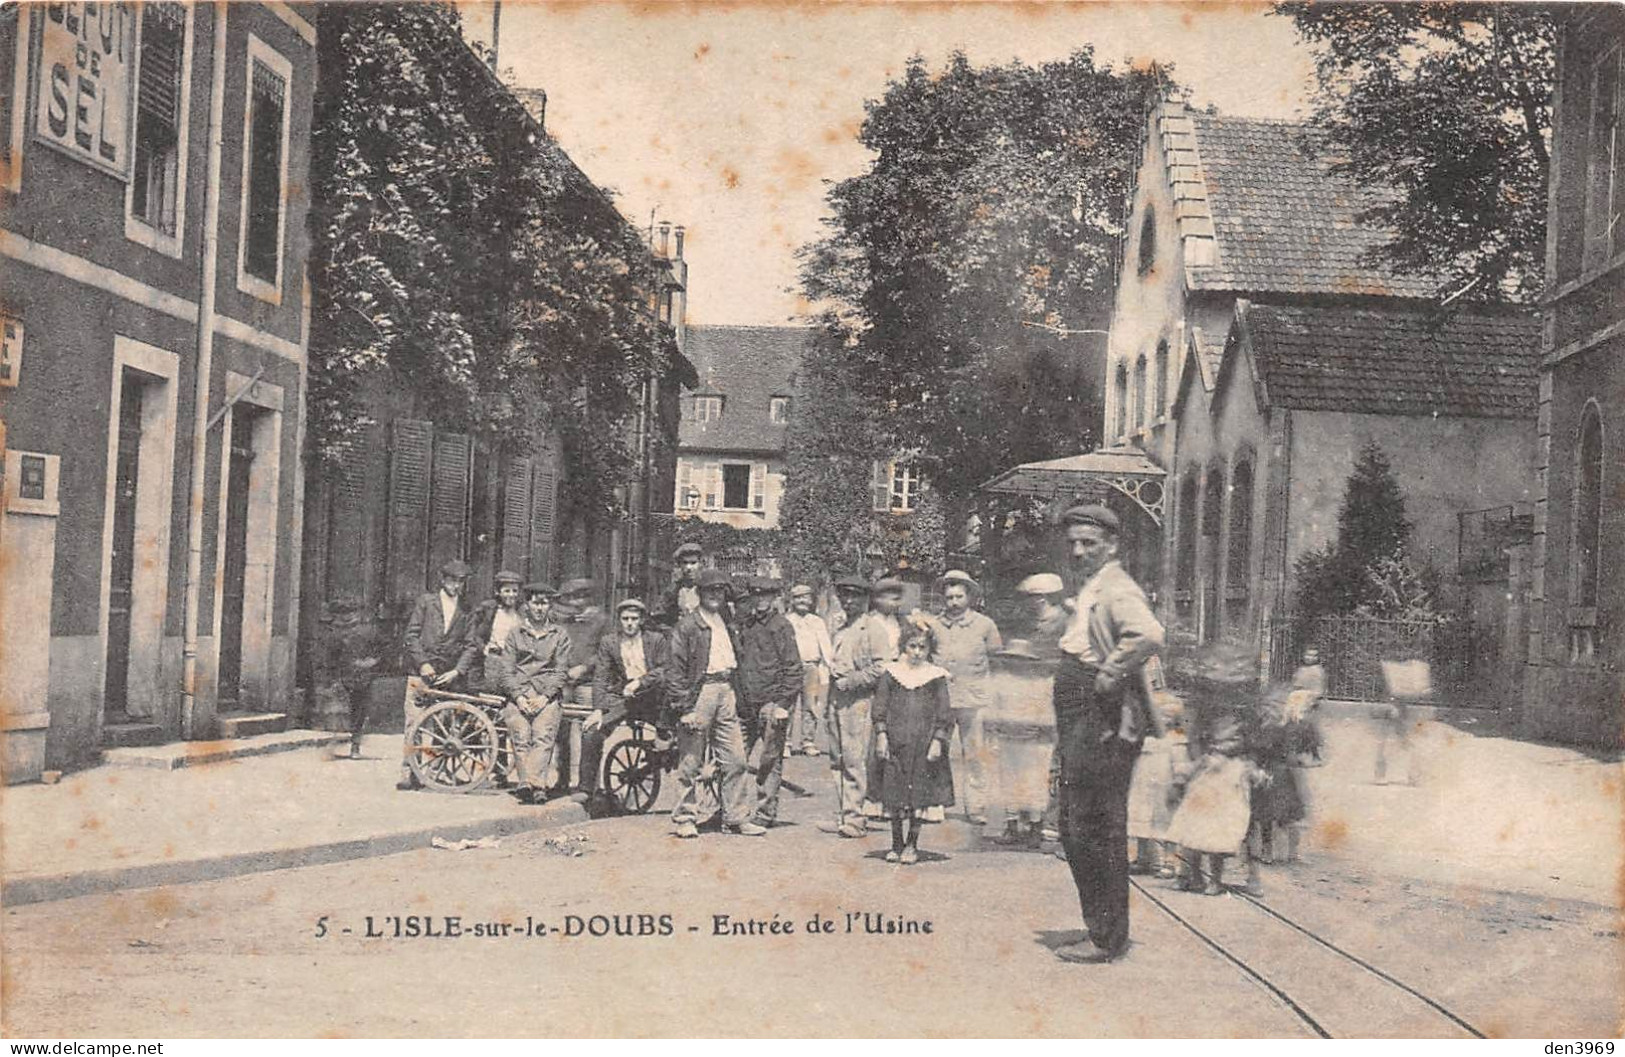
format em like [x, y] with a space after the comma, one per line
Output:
[777, 520]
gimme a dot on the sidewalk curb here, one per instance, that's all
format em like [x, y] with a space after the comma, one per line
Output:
[22, 891]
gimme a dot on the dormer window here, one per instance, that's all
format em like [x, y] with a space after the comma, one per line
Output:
[1148, 241]
[778, 409]
[707, 408]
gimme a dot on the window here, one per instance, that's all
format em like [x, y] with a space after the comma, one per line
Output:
[895, 487]
[1241, 529]
[1161, 380]
[1148, 241]
[265, 163]
[707, 408]
[778, 409]
[1185, 563]
[758, 486]
[688, 495]
[155, 197]
[1139, 393]
[1588, 509]
[736, 485]
[1120, 403]
[1605, 198]
[1213, 502]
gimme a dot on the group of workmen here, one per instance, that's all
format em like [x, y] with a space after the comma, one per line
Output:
[734, 673]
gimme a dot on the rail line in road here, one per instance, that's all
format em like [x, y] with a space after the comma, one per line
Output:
[1336, 994]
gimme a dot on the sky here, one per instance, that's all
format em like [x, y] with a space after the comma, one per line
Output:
[728, 118]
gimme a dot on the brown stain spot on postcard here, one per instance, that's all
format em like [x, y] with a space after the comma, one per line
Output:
[1332, 833]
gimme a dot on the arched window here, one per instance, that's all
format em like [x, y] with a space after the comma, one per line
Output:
[1588, 508]
[1213, 501]
[1139, 392]
[1120, 389]
[1148, 241]
[1241, 533]
[1161, 380]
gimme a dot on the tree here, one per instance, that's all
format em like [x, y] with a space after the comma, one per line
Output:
[1447, 108]
[993, 203]
[1372, 535]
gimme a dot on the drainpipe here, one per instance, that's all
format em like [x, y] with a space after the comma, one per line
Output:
[208, 275]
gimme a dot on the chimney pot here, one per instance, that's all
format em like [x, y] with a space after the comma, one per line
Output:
[679, 232]
[665, 237]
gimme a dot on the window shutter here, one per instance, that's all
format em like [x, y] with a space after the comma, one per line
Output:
[880, 486]
[410, 445]
[516, 515]
[685, 481]
[347, 536]
[543, 498]
[758, 486]
[163, 42]
[713, 485]
[448, 498]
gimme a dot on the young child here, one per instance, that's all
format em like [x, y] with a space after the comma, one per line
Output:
[1151, 800]
[912, 720]
[1287, 738]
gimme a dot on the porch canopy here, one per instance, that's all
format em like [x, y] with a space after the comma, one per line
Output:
[1126, 470]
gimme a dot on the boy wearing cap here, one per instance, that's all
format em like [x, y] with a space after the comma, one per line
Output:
[704, 659]
[436, 645]
[966, 641]
[493, 620]
[684, 594]
[769, 680]
[816, 650]
[531, 671]
[629, 680]
[584, 625]
[1099, 718]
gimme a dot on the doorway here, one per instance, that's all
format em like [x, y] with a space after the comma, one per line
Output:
[121, 582]
[239, 467]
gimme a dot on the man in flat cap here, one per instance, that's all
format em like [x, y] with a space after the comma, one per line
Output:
[629, 681]
[584, 624]
[436, 644]
[816, 650]
[966, 642]
[1098, 702]
[862, 646]
[769, 681]
[493, 620]
[684, 594]
[531, 671]
[704, 663]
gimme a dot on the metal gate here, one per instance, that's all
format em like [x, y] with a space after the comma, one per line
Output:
[1352, 650]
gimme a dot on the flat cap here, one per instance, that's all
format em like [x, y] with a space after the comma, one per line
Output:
[852, 582]
[631, 603]
[960, 576]
[801, 591]
[540, 587]
[508, 576]
[577, 585]
[888, 584]
[455, 567]
[1093, 514]
[762, 585]
[714, 578]
[1041, 584]
[687, 550]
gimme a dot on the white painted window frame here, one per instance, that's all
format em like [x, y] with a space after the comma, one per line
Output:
[136, 229]
[276, 62]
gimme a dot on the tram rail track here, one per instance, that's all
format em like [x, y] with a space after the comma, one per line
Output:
[1357, 1005]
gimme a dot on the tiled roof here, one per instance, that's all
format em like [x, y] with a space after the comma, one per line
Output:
[1396, 361]
[1282, 221]
[747, 366]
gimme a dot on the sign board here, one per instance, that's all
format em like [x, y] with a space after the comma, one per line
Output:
[11, 350]
[86, 61]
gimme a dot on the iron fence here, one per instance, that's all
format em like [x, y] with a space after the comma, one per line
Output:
[1352, 650]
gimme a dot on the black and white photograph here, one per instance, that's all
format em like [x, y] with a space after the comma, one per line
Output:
[550, 519]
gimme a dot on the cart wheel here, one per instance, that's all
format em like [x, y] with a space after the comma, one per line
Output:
[452, 748]
[631, 776]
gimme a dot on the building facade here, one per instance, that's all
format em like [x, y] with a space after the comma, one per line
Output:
[1575, 689]
[152, 251]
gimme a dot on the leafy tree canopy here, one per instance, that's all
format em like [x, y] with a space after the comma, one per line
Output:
[1449, 105]
[994, 201]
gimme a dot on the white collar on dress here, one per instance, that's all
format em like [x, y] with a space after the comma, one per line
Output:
[911, 677]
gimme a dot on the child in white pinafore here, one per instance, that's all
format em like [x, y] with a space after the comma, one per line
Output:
[1151, 799]
[1212, 821]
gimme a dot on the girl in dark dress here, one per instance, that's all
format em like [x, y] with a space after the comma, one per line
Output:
[911, 723]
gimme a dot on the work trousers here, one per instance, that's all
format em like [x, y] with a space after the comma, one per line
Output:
[532, 739]
[771, 733]
[807, 715]
[719, 730]
[1096, 767]
[849, 727]
[973, 758]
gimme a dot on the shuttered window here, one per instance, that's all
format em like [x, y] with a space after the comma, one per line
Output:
[516, 515]
[758, 486]
[713, 485]
[347, 535]
[153, 197]
[410, 454]
[688, 496]
[263, 228]
[543, 500]
[449, 498]
[880, 486]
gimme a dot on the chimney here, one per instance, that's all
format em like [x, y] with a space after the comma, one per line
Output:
[679, 233]
[665, 237]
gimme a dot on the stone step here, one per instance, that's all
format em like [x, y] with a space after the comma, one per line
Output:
[191, 753]
[250, 724]
[117, 735]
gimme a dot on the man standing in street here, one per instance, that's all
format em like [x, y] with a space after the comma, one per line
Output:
[531, 670]
[704, 662]
[769, 680]
[629, 681]
[816, 650]
[1100, 711]
[437, 646]
[684, 594]
[966, 641]
[861, 647]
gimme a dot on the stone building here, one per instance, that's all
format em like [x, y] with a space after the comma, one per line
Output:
[152, 253]
[1574, 689]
